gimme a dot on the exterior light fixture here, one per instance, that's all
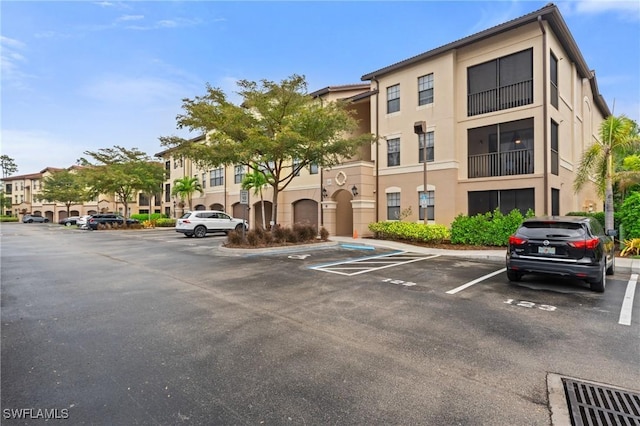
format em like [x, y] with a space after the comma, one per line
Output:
[516, 138]
[324, 193]
[354, 190]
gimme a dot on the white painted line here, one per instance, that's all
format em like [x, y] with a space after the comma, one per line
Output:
[354, 265]
[395, 264]
[476, 281]
[627, 304]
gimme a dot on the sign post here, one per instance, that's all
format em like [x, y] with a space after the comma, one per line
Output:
[244, 199]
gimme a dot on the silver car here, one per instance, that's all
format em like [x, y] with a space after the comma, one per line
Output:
[34, 219]
[200, 222]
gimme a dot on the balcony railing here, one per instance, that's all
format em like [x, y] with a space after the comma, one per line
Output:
[517, 162]
[504, 97]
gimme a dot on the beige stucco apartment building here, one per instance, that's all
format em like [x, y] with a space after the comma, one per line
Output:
[502, 117]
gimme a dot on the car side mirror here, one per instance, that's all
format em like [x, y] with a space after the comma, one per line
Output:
[612, 232]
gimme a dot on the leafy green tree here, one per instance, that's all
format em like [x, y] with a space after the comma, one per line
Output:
[123, 172]
[185, 188]
[8, 166]
[616, 134]
[5, 203]
[256, 180]
[64, 187]
[277, 126]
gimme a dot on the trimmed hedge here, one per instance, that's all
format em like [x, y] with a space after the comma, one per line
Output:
[488, 229]
[145, 216]
[165, 222]
[410, 231]
[629, 214]
[8, 218]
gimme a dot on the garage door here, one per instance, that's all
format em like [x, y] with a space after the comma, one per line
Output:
[305, 212]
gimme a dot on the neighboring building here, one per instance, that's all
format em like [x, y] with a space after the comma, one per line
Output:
[507, 114]
[24, 191]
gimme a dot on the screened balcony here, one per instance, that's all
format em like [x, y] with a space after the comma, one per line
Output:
[503, 149]
[505, 97]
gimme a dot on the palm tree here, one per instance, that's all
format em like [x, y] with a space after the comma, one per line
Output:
[256, 180]
[616, 135]
[185, 188]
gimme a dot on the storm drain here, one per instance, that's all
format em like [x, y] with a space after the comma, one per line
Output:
[595, 404]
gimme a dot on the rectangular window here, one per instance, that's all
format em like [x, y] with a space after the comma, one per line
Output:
[555, 202]
[313, 169]
[555, 162]
[500, 84]
[167, 192]
[167, 165]
[481, 202]
[216, 177]
[393, 152]
[8, 189]
[296, 167]
[143, 200]
[157, 199]
[425, 89]
[393, 206]
[428, 137]
[204, 180]
[553, 71]
[167, 211]
[393, 99]
[238, 174]
[430, 205]
[143, 211]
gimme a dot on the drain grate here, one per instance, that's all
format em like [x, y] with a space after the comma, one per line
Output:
[595, 404]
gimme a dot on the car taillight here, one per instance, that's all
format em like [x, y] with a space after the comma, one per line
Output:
[516, 241]
[92, 220]
[585, 244]
[185, 221]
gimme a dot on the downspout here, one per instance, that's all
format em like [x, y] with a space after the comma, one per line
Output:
[377, 197]
[545, 114]
[224, 179]
[321, 185]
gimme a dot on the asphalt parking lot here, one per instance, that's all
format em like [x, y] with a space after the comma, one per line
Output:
[149, 327]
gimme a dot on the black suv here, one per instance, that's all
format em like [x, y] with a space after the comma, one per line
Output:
[571, 246]
[108, 218]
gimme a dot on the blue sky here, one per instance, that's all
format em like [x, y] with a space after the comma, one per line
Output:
[84, 75]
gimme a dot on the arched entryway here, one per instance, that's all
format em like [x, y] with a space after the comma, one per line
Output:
[48, 215]
[201, 207]
[305, 212]
[216, 206]
[344, 213]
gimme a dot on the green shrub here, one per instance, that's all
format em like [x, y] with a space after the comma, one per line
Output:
[145, 216]
[8, 218]
[486, 229]
[165, 223]
[324, 234]
[629, 214]
[409, 231]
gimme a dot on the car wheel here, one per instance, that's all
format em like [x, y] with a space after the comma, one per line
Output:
[601, 282]
[239, 228]
[514, 276]
[200, 231]
[67, 224]
[30, 221]
[612, 269]
[46, 221]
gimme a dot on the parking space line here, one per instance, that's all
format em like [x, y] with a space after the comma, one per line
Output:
[371, 263]
[627, 303]
[476, 281]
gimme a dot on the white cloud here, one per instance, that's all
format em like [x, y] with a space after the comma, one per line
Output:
[11, 61]
[167, 23]
[34, 150]
[130, 18]
[626, 10]
[132, 90]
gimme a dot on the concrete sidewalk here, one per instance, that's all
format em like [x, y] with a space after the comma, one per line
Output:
[623, 264]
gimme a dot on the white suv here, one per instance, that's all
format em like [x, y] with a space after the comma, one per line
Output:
[198, 223]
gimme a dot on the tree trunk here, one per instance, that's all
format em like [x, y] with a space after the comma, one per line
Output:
[608, 195]
[274, 207]
[264, 219]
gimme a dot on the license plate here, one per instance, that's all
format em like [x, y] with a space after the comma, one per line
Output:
[546, 250]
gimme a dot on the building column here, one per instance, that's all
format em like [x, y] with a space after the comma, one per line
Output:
[363, 215]
[329, 216]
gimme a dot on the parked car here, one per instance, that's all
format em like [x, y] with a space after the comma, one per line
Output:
[34, 219]
[200, 222]
[109, 218]
[82, 221]
[69, 221]
[570, 246]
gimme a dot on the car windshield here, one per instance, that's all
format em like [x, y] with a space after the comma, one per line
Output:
[186, 215]
[552, 229]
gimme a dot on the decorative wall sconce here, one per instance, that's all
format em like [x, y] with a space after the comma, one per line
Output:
[354, 190]
[324, 193]
[516, 138]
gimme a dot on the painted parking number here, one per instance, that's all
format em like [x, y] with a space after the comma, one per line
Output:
[525, 304]
[399, 282]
